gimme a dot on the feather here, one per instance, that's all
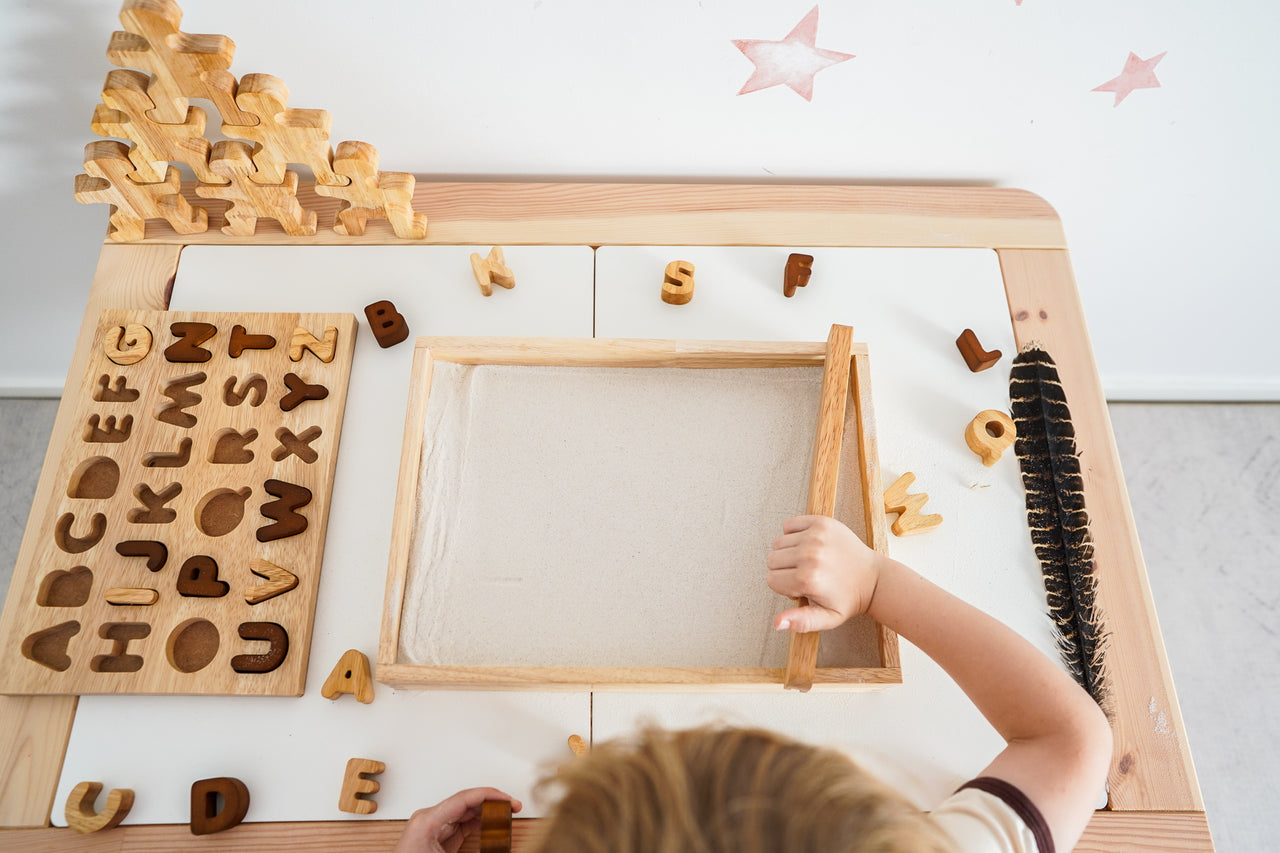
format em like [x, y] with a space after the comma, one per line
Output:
[1056, 515]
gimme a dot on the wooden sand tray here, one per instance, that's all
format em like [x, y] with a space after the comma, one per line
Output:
[845, 379]
[181, 550]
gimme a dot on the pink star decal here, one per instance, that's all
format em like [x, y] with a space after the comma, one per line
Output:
[1137, 74]
[791, 62]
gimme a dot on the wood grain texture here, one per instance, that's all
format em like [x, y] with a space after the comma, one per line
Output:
[199, 511]
[350, 675]
[616, 352]
[682, 215]
[1152, 767]
[1108, 832]
[824, 479]
[84, 816]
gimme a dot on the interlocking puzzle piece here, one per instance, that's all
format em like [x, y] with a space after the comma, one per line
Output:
[389, 327]
[279, 581]
[796, 273]
[975, 356]
[108, 181]
[350, 675]
[181, 65]
[372, 194]
[206, 818]
[123, 114]
[357, 787]
[909, 521]
[250, 200]
[677, 283]
[495, 826]
[989, 434]
[492, 270]
[283, 135]
[80, 813]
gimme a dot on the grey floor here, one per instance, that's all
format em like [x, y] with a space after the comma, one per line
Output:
[1204, 481]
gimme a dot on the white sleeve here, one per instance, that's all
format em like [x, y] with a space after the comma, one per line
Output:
[990, 815]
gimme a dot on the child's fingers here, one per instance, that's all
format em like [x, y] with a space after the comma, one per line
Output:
[788, 540]
[782, 558]
[800, 522]
[788, 582]
[806, 619]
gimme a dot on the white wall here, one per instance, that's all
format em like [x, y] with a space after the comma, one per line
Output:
[1165, 198]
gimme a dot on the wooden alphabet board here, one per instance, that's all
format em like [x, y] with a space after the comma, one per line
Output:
[181, 549]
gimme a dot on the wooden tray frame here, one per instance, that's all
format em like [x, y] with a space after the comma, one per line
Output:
[1155, 801]
[854, 384]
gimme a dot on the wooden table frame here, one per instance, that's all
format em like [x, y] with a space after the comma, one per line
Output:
[1155, 801]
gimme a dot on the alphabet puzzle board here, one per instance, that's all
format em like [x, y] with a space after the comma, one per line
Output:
[181, 549]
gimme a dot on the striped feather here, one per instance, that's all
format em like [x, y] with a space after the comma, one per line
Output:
[1056, 515]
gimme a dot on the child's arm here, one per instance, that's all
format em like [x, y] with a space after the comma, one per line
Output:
[1059, 741]
[443, 827]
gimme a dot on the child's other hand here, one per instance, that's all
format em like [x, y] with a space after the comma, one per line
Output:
[822, 560]
[443, 827]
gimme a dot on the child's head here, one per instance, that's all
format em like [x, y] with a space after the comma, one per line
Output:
[715, 789]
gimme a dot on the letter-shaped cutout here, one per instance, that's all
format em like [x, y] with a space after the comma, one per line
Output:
[492, 270]
[388, 324]
[677, 283]
[277, 639]
[357, 787]
[72, 544]
[279, 581]
[187, 349]
[255, 385]
[296, 445]
[107, 433]
[48, 647]
[990, 434]
[179, 391]
[121, 634]
[351, 675]
[908, 507]
[79, 809]
[322, 349]
[205, 817]
[126, 345]
[153, 509]
[176, 459]
[117, 392]
[796, 273]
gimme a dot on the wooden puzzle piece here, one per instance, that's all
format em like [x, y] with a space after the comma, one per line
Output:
[105, 431]
[95, 478]
[186, 349]
[72, 544]
[277, 639]
[230, 447]
[198, 578]
[69, 588]
[279, 581]
[80, 813]
[155, 553]
[303, 341]
[388, 324]
[975, 356]
[357, 787]
[153, 509]
[132, 596]
[908, 507]
[176, 459]
[250, 200]
[371, 194]
[119, 392]
[192, 645]
[283, 135]
[121, 634]
[677, 283]
[283, 510]
[107, 181]
[350, 675]
[989, 434]
[181, 65]
[48, 646]
[126, 345]
[255, 385]
[492, 270]
[299, 392]
[296, 445]
[796, 273]
[221, 510]
[206, 817]
[123, 113]
[577, 745]
[495, 826]
[182, 397]
[241, 340]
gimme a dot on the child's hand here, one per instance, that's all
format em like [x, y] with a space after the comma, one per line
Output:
[824, 561]
[443, 827]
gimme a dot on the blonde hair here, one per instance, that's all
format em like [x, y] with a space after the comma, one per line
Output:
[724, 790]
